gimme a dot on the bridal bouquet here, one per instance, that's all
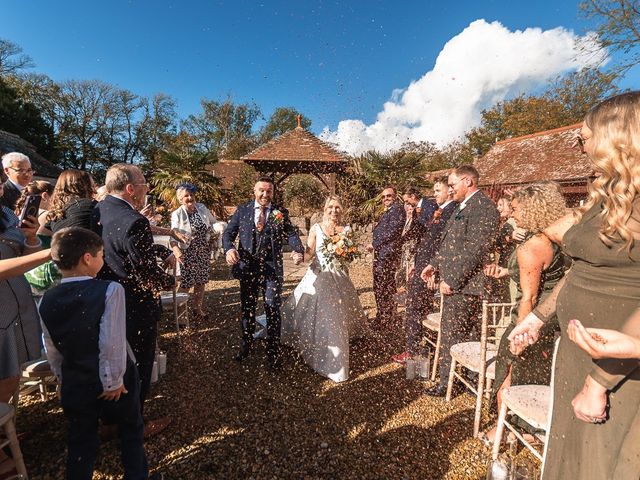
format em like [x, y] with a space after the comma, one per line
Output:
[340, 249]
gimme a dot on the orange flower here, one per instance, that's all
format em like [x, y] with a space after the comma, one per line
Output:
[340, 251]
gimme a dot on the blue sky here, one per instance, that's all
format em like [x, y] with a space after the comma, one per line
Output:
[333, 60]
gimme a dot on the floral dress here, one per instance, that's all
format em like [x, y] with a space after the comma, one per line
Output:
[196, 266]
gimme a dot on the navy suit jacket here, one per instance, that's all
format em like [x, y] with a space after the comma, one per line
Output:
[387, 234]
[432, 236]
[10, 195]
[242, 225]
[130, 256]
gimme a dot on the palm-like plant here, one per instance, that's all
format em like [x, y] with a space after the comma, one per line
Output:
[183, 162]
[367, 175]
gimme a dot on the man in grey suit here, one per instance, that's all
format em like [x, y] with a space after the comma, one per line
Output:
[468, 238]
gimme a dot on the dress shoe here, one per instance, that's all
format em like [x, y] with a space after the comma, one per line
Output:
[402, 358]
[154, 427]
[437, 391]
[245, 351]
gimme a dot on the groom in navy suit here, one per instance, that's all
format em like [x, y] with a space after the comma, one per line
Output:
[257, 263]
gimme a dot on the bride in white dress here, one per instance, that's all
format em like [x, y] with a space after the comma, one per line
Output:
[324, 311]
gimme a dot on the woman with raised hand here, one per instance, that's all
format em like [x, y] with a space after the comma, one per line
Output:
[595, 421]
[195, 222]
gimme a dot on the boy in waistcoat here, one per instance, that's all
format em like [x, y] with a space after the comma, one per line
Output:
[85, 339]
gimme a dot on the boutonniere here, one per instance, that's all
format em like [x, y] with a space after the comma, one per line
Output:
[277, 217]
[436, 216]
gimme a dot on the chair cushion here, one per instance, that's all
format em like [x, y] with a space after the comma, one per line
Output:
[529, 402]
[167, 298]
[39, 367]
[432, 321]
[467, 354]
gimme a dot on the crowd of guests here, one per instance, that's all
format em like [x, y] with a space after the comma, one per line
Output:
[565, 270]
[569, 270]
[96, 273]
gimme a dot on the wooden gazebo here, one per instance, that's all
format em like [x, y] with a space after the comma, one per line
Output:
[297, 151]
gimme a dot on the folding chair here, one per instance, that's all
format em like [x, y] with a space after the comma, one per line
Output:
[479, 356]
[432, 322]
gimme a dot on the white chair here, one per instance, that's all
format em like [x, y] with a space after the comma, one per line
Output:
[479, 357]
[7, 414]
[432, 322]
[178, 301]
[38, 375]
[533, 404]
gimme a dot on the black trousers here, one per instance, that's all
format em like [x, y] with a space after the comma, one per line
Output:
[262, 280]
[142, 333]
[419, 303]
[460, 323]
[384, 289]
[82, 408]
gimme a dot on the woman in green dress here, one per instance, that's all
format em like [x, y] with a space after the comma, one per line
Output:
[536, 266]
[595, 422]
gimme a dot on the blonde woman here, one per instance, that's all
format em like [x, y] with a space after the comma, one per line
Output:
[324, 311]
[535, 266]
[595, 420]
[195, 221]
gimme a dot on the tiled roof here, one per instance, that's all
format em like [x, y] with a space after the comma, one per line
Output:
[42, 167]
[548, 155]
[228, 171]
[297, 145]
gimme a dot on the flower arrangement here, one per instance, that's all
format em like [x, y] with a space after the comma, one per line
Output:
[277, 217]
[340, 249]
[436, 216]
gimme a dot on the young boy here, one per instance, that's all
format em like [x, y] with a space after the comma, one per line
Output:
[85, 339]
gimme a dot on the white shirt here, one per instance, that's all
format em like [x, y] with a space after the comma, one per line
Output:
[112, 339]
[419, 205]
[463, 203]
[445, 204]
[125, 201]
[17, 185]
[256, 212]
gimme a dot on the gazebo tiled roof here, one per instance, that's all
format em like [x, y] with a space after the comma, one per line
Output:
[297, 151]
[547, 155]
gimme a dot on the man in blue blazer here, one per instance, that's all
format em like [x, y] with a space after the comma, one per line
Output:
[387, 249]
[419, 297]
[261, 227]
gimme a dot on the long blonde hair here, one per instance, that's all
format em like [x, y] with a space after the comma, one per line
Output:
[615, 124]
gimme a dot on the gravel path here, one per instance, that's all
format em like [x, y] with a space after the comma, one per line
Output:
[240, 421]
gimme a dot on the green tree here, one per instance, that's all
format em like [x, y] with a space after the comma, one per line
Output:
[23, 119]
[565, 102]
[224, 129]
[304, 194]
[182, 162]
[281, 121]
[366, 176]
[618, 28]
[12, 60]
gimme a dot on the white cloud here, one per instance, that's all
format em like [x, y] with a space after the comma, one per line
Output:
[477, 68]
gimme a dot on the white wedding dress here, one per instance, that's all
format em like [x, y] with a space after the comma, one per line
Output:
[322, 314]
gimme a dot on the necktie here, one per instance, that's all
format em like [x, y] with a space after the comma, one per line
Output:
[262, 219]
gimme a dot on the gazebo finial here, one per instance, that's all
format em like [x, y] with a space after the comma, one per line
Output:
[299, 118]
